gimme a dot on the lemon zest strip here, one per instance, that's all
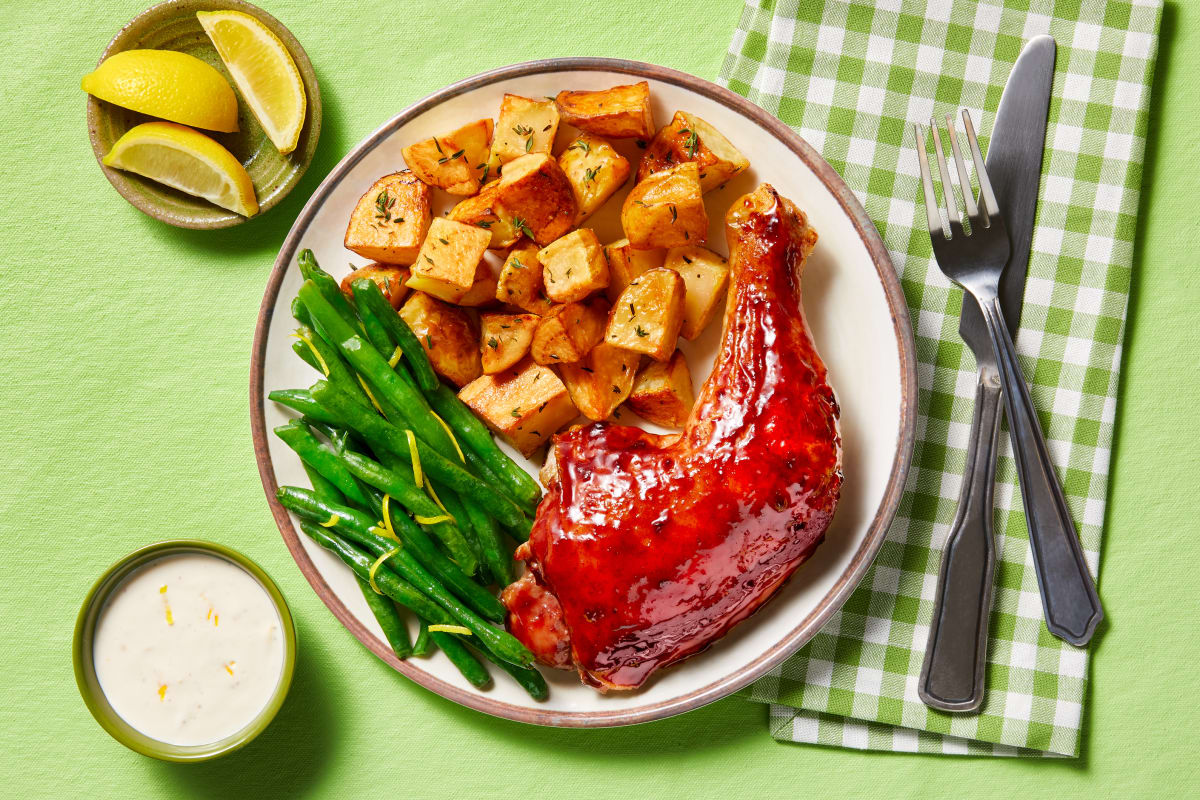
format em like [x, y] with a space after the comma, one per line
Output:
[320, 359]
[377, 564]
[329, 523]
[416, 457]
[450, 629]
[395, 359]
[379, 530]
[450, 433]
[370, 396]
[433, 520]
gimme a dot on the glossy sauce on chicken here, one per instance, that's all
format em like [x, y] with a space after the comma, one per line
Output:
[648, 548]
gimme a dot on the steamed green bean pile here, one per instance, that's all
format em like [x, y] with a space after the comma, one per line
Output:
[408, 487]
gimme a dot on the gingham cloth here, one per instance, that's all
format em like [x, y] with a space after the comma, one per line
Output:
[851, 78]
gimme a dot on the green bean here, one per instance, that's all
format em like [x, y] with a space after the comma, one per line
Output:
[306, 355]
[494, 557]
[300, 400]
[479, 439]
[530, 678]
[322, 487]
[389, 619]
[361, 528]
[372, 300]
[378, 431]
[300, 312]
[421, 643]
[323, 459]
[374, 328]
[335, 369]
[499, 642]
[471, 667]
[421, 546]
[328, 287]
[454, 508]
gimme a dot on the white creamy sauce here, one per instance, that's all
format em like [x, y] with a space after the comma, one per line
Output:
[188, 649]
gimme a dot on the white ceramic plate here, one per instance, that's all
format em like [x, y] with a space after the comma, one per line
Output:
[854, 306]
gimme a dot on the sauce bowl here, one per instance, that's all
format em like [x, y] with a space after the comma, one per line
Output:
[85, 670]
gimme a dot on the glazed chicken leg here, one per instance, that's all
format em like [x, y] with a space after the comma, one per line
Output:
[646, 548]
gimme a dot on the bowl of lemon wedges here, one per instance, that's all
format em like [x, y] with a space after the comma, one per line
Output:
[203, 113]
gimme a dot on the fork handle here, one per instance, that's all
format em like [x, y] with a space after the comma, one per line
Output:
[1069, 599]
[955, 657]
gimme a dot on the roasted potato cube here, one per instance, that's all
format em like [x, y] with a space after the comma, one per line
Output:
[449, 259]
[456, 161]
[484, 211]
[448, 334]
[622, 112]
[647, 315]
[483, 290]
[690, 139]
[662, 393]
[390, 220]
[524, 126]
[505, 339]
[388, 277]
[666, 210]
[574, 266]
[536, 198]
[569, 331]
[625, 264]
[595, 171]
[706, 276]
[520, 282]
[602, 380]
[525, 404]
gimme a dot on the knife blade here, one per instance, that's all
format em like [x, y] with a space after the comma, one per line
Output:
[952, 675]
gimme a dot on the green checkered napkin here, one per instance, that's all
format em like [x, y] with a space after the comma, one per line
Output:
[851, 78]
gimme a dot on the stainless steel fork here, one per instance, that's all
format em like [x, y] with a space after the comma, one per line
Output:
[975, 260]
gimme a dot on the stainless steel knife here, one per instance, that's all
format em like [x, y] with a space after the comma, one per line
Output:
[952, 675]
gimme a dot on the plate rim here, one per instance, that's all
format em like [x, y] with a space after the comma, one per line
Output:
[863, 556]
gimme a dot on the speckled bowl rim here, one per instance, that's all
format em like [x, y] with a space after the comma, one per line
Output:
[312, 91]
[85, 670]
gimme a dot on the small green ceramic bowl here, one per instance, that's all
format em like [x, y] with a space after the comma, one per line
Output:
[173, 26]
[85, 669]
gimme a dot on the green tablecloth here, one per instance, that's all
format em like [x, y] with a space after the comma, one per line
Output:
[126, 347]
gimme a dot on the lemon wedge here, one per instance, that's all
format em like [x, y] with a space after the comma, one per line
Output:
[166, 84]
[186, 160]
[263, 70]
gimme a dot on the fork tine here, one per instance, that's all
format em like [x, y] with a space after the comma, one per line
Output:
[986, 194]
[932, 215]
[947, 186]
[964, 181]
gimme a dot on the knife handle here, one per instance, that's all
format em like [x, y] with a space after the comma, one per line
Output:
[1069, 599]
[955, 656]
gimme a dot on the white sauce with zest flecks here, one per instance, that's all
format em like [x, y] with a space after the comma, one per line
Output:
[188, 649]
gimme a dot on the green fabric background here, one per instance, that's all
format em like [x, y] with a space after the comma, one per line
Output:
[125, 347]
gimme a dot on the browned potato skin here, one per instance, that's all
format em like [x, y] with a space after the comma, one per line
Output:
[601, 381]
[573, 266]
[388, 277]
[666, 210]
[621, 112]
[387, 240]
[505, 339]
[432, 159]
[448, 334]
[448, 265]
[525, 404]
[625, 263]
[534, 190]
[484, 211]
[569, 331]
[521, 282]
[596, 171]
[662, 393]
[670, 147]
[647, 316]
